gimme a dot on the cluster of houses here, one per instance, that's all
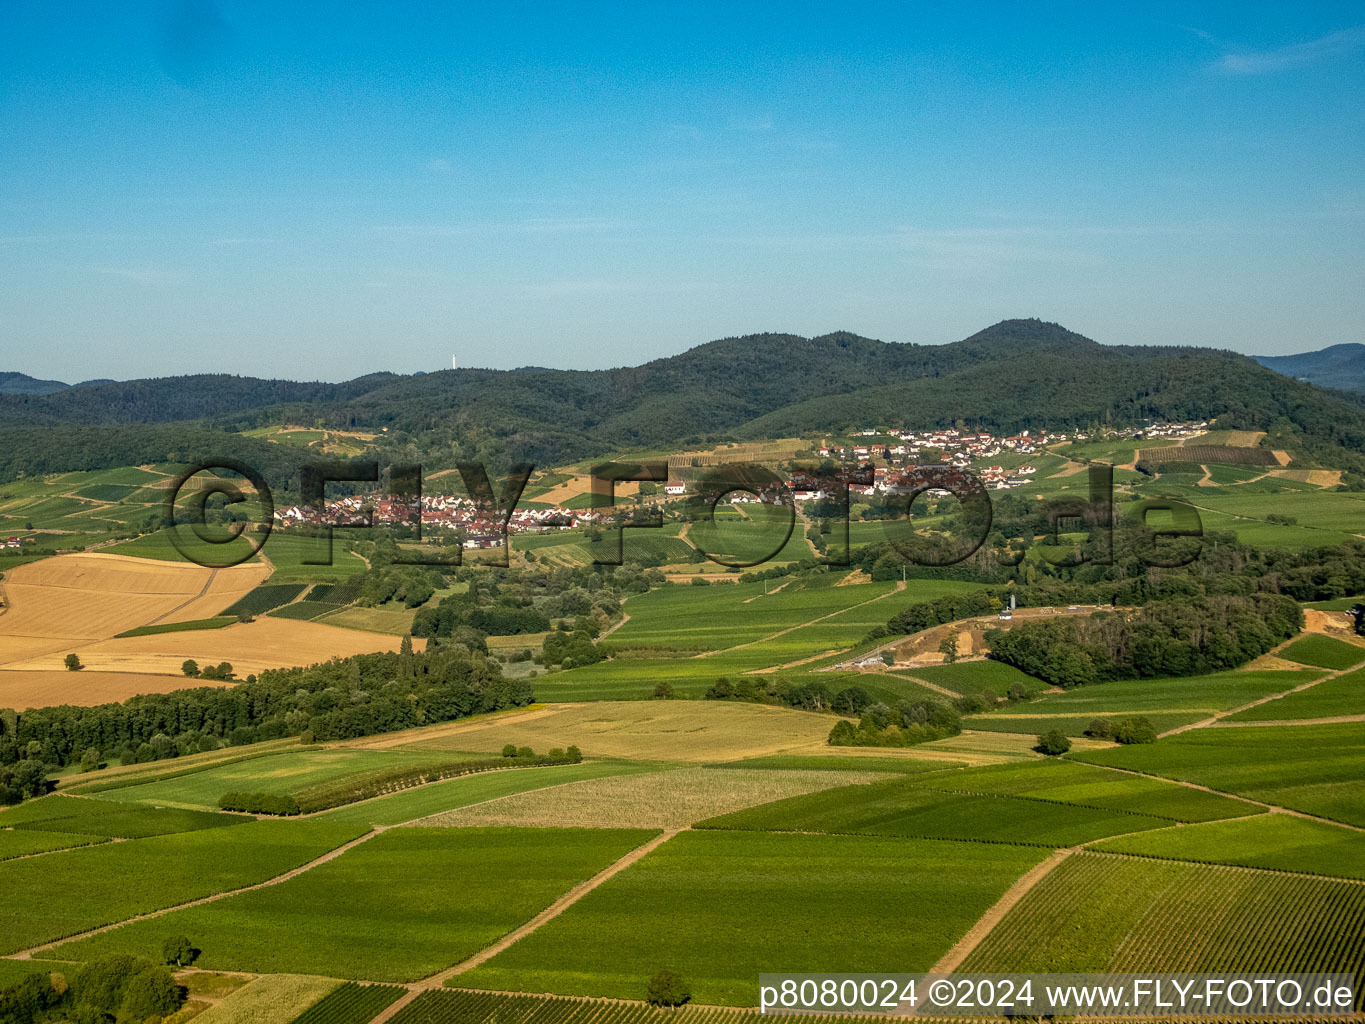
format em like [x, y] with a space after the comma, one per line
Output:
[481, 528]
[959, 452]
[15, 542]
[965, 446]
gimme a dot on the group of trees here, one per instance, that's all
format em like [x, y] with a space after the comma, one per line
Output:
[113, 988]
[341, 698]
[571, 649]
[910, 722]
[1164, 638]
[773, 690]
[24, 778]
[509, 602]
[1130, 729]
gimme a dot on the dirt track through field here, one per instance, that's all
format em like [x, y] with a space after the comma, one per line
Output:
[1333, 720]
[900, 585]
[548, 914]
[1216, 718]
[213, 898]
[951, 960]
[1272, 808]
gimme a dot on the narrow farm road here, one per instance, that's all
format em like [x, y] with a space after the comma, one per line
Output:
[1217, 716]
[214, 898]
[1332, 720]
[951, 960]
[1272, 808]
[900, 585]
[548, 914]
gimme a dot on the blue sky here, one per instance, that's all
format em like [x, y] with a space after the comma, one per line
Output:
[311, 191]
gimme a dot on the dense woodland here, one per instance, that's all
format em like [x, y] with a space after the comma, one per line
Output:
[1013, 375]
[1191, 636]
[110, 988]
[339, 699]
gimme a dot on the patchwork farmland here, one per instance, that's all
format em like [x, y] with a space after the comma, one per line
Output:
[472, 860]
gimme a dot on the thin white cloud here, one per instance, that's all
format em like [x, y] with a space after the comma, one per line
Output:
[1296, 55]
[530, 226]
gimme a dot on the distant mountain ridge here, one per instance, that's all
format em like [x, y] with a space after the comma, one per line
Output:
[22, 384]
[1337, 366]
[1013, 375]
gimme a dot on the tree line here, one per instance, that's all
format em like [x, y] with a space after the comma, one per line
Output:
[338, 699]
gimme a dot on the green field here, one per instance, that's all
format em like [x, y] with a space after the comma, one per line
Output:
[14, 971]
[350, 1004]
[1278, 841]
[57, 813]
[835, 763]
[452, 1006]
[1073, 725]
[417, 900]
[1342, 695]
[901, 808]
[1219, 692]
[189, 625]
[472, 789]
[287, 773]
[975, 676]
[719, 907]
[1316, 769]
[115, 881]
[24, 842]
[1088, 786]
[1323, 652]
[263, 598]
[1100, 913]
[738, 628]
[755, 538]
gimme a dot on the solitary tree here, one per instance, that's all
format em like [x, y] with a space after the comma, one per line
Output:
[667, 988]
[177, 950]
[510, 750]
[948, 648]
[90, 760]
[1053, 742]
[190, 667]
[663, 690]
[73, 663]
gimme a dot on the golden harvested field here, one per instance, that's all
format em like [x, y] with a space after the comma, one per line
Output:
[249, 646]
[672, 730]
[64, 603]
[20, 690]
[669, 799]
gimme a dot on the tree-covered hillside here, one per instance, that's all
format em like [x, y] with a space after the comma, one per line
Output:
[1016, 374]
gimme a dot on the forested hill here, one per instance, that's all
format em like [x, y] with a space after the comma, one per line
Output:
[22, 384]
[1338, 366]
[1013, 375]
